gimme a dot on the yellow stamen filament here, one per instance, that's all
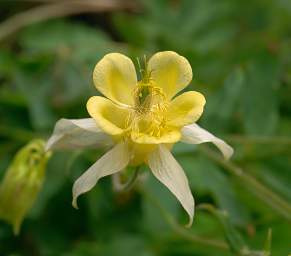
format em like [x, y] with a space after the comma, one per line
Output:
[148, 114]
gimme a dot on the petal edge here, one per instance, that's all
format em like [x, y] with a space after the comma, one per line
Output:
[170, 71]
[186, 109]
[77, 133]
[168, 171]
[115, 77]
[108, 116]
[194, 134]
[111, 162]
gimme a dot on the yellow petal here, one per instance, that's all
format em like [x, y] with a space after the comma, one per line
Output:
[167, 137]
[140, 153]
[185, 109]
[109, 117]
[115, 77]
[170, 71]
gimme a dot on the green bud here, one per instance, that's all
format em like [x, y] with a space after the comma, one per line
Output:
[22, 182]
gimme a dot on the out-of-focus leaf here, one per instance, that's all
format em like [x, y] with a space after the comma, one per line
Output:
[260, 106]
[125, 244]
[236, 242]
[182, 148]
[275, 172]
[36, 89]
[76, 48]
[225, 103]
[206, 178]
[58, 175]
[234, 239]
[153, 221]
[77, 42]
[6, 62]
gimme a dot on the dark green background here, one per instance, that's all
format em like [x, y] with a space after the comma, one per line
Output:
[240, 52]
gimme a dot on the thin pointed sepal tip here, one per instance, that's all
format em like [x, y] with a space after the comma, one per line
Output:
[75, 204]
[48, 146]
[189, 224]
[229, 154]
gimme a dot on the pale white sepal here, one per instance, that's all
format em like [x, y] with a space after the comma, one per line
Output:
[112, 162]
[76, 134]
[194, 134]
[168, 171]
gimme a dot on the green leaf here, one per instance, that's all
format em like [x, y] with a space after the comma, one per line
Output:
[235, 240]
[206, 178]
[153, 221]
[224, 104]
[260, 98]
[35, 87]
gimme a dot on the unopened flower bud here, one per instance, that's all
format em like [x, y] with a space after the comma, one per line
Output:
[22, 182]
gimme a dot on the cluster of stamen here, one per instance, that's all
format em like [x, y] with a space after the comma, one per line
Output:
[148, 113]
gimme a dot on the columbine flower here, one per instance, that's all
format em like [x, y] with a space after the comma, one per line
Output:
[22, 182]
[140, 120]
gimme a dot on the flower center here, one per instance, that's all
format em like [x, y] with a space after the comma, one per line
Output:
[149, 112]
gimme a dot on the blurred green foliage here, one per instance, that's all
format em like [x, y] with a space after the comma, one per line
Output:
[240, 52]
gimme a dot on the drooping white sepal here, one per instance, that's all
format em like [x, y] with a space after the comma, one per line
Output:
[76, 134]
[168, 171]
[111, 162]
[194, 134]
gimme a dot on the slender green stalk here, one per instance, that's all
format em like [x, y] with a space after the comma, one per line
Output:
[270, 198]
[17, 133]
[279, 140]
[118, 186]
[179, 230]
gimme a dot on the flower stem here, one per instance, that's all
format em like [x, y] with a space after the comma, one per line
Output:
[179, 230]
[270, 198]
[280, 140]
[17, 134]
[119, 186]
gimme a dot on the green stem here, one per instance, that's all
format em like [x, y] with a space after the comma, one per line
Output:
[17, 134]
[280, 140]
[181, 231]
[118, 186]
[277, 203]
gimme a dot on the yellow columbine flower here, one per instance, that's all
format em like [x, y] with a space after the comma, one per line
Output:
[141, 120]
